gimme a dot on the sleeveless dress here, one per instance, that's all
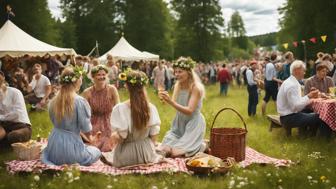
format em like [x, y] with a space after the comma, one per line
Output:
[137, 146]
[101, 105]
[187, 132]
[65, 146]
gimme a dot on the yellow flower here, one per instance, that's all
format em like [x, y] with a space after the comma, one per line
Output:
[323, 178]
[122, 77]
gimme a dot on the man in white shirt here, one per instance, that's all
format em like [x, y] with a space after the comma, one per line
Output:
[291, 103]
[252, 89]
[41, 87]
[271, 82]
[14, 121]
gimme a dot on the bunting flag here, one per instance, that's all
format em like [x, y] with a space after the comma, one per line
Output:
[313, 39]
[295, 43]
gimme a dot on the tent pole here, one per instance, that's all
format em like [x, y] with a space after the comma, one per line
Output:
[97, 49]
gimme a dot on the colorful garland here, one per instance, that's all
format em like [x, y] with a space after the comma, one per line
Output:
[184, 63]
[133, 80]
[73, 77]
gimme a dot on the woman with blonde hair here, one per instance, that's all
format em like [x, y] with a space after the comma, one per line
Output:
[136, 123]
[70, 115]
[185, 137]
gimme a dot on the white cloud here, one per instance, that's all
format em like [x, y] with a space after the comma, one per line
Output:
[54, 8]
[260, 16]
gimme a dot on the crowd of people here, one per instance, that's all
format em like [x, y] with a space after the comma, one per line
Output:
[283, 79]
[97, 124]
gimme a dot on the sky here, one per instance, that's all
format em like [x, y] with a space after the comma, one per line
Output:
[259, 16]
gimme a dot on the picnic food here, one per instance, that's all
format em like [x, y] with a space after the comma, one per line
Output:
[204, 160]
[28, 144]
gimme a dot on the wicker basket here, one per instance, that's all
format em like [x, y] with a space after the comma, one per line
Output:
[27, 153]
[228, 142]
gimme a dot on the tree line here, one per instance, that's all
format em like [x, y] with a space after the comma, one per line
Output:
[304, 19]
[193, 28]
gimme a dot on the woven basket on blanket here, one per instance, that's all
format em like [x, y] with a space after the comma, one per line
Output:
[27, 150]
[228, 142]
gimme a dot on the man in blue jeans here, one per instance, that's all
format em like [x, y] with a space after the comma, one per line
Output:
[224, 78]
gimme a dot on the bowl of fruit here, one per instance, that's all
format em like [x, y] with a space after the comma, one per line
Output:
[203, 164]
[27, 150]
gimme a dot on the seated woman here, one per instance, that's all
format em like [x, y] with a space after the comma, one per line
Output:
[14, 121]
[70, 114]
[320, 81]
[185, 138]
[135, 123]
[102, 97]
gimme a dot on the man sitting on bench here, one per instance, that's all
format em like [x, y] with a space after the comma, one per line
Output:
[290, 104]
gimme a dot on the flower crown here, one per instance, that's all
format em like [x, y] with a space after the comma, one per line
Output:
[73, 77]
[133, 80]
[184, 63]
[97, 68]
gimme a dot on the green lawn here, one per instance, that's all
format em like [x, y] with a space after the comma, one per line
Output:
[315, 158]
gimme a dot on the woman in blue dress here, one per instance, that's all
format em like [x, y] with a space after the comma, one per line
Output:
[70, 115]
[185, 137]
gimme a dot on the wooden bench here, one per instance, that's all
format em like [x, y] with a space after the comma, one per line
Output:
[275, 123]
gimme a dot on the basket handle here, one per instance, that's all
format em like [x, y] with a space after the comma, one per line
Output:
[241, 118]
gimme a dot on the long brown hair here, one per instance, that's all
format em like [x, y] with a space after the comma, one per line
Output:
[64, 103]
[140, 112]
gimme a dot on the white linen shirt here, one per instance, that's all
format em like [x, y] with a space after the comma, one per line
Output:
[289, 99]
[250, 77]
[270, 71]
[12, 107]
[39, 86]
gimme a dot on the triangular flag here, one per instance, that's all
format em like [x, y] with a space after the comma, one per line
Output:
[295, 43]
[285, 45]
[324, 38]
[313, 39]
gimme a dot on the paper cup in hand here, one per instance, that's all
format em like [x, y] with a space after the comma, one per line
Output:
[161, 89]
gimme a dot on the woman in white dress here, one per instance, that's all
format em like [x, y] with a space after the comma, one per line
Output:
[135, 123]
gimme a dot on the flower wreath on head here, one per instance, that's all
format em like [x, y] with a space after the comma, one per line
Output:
[97, 68]
[133, 80]
[184, 63]
[73, 77]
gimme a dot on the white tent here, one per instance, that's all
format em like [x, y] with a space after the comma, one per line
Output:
[124, 51]
[151, 56]
[16, 42]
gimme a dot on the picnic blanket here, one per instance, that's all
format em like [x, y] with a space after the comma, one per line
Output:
[170, 166]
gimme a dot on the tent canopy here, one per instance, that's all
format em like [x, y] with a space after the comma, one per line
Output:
[151, 56]
[15, 42]
[124, 51]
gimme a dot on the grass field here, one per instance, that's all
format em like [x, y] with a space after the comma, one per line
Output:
[315, 158]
